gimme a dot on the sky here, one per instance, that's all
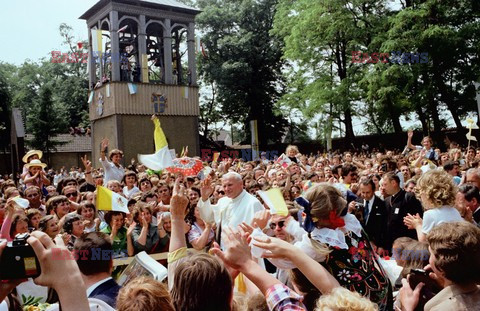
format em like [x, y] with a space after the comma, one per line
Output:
[30, 28]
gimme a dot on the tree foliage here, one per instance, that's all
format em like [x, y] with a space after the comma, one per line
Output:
[243, 63]
[45, 121]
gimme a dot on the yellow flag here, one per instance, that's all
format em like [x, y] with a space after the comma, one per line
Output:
[108, 200]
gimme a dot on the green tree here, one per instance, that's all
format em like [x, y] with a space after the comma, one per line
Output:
[5, 99]
[244, 63]
[45, 121]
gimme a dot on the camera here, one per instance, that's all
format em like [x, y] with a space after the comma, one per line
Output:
[19, 260]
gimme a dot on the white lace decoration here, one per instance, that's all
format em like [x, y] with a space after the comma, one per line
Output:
[337, 237]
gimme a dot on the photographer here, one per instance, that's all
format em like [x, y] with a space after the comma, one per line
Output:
[454, 264]
[66, 286]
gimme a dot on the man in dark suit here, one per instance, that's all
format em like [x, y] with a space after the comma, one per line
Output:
[95, 259]
[374, 215]
[469, 196]
[398, 204]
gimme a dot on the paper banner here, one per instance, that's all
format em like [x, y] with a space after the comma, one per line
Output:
[216, 155]
[145, 68]
[283, 160]
[108, 90]
[275, 201]
[90, 99]
[132, 88]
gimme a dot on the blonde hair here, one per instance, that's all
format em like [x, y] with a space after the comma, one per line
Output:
[341, 299]
[438, 187]
[292, 147]
[144, 293]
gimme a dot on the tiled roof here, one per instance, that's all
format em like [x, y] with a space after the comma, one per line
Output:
[72, 143]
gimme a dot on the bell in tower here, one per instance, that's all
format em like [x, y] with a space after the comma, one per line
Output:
[142, 62]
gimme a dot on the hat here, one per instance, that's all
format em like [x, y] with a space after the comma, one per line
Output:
[31, 153]
[35, 163]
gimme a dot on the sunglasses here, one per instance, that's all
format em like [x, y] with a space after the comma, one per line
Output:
[33, 195]
[221, 192]
[71, 194]
[280, 224]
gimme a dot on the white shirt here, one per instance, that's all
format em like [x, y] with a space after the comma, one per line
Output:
[112, 172]
[436, 216]
[230, 212]
[130, 193]
[94, 286]
[370, 205]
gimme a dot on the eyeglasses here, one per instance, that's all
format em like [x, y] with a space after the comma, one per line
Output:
[71, 194]
[280, 224]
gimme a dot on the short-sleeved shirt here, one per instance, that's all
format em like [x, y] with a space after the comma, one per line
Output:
[434, 217]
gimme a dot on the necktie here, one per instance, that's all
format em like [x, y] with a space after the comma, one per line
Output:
[366, 211]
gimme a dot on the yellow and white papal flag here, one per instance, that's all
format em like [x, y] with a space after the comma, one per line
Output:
[162, 157]
[108, 200]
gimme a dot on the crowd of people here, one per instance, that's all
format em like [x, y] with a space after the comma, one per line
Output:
[348, 213]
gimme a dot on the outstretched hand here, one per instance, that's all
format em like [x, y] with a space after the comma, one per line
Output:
[276, 247]
[237, 254]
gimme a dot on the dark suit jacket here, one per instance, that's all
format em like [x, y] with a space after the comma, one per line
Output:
[476, 216]
[107, 291]
[398, 206]
[376, 226]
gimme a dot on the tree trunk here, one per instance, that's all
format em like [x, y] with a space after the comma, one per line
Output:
[349, 134]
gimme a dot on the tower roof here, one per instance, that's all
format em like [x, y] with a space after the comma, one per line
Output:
[160, 4]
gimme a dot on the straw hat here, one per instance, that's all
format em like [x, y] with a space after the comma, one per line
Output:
[31, 153]
[35, 163]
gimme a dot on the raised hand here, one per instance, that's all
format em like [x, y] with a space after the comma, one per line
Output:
[238, 252]
[261, 218]
[104, 144]
[178, 202]
[410, 134]
[86, 163]
[206, 189]
[131, 228]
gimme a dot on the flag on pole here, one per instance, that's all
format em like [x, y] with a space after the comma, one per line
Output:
[275, 201]
[108, 200]
[162, 157]
[471, 125]
[97, 40]
[90, 98]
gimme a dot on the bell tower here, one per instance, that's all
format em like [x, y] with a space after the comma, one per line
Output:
[142, 61]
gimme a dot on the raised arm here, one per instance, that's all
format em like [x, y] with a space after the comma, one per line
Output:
[178, 206]
[88, 170]
[103, 149]
[313, 270]
[409, 140]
